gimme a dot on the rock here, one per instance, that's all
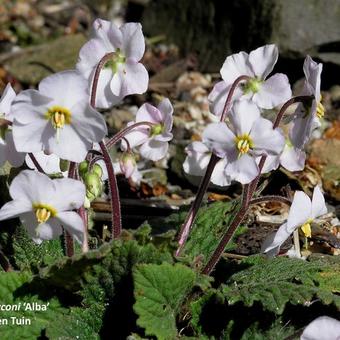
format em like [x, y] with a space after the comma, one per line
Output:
[31, 65]
[214, 29]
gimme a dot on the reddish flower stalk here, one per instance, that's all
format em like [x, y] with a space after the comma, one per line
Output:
[68, 239]
[36, 163]
[120, 135]
[251, 189]
[191, 216]
[113, 187]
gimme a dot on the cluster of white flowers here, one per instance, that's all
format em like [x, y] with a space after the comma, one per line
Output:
[57, 124]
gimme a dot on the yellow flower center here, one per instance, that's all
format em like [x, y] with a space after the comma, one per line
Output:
[43, 212]
[59, 116]
[306, 228]
[243, 143]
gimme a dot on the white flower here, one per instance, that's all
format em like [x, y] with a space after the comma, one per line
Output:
[152, 141]
[8, 151]
[45, 205]
[123, 74]
[302, 213]
[291, 158]
[258, 64]
[58, 118]
[250, 136]
[196, 162]
[307, 117]
[322, 328]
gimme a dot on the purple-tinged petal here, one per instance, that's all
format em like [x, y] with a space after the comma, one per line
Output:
[217, 98]
[133, 40]
[273, 92]
[219, 138]
[149, 113]
[263, 59]
[312, 72]
[108, 33]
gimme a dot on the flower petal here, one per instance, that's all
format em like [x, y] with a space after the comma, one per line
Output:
[49, 163]
[90, 55]
[67, 88]
[273, 92]
[14, 157]
[265, 139]
[219, 138]
[318, 203]
[154, 150]
[149, 113]
[88, 122]
[133, 40]
[263, 59]
[244, 169]
[73, 223]
[131, 78]
[29, 105]
[15, 208]
[32, 137]
[104, 96]
[235, 66]
[219, 176]
[109, 33]
[293, 159]
[312, 72]
[198, 156]
[22, 186]
[69, 194]
[6, 101]
[300, 211]
[243, 115]
[322, 328]
[49, 230]
[271, 245]
[272, 163]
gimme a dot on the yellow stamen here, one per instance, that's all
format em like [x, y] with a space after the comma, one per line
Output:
[43, 212]
[306, 228]
[59, 116]
[243, 143]
[320, 110]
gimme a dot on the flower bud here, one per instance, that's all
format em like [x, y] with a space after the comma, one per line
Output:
[128, 164]
[82, 168]
[94, 186]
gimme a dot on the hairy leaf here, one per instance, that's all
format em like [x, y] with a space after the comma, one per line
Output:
[159, 292]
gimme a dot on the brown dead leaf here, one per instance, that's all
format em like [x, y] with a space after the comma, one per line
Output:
[333, 131]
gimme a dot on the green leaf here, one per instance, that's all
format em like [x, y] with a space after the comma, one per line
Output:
[159, 291]
[275, 282]
[211, 224]
[12, 293]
